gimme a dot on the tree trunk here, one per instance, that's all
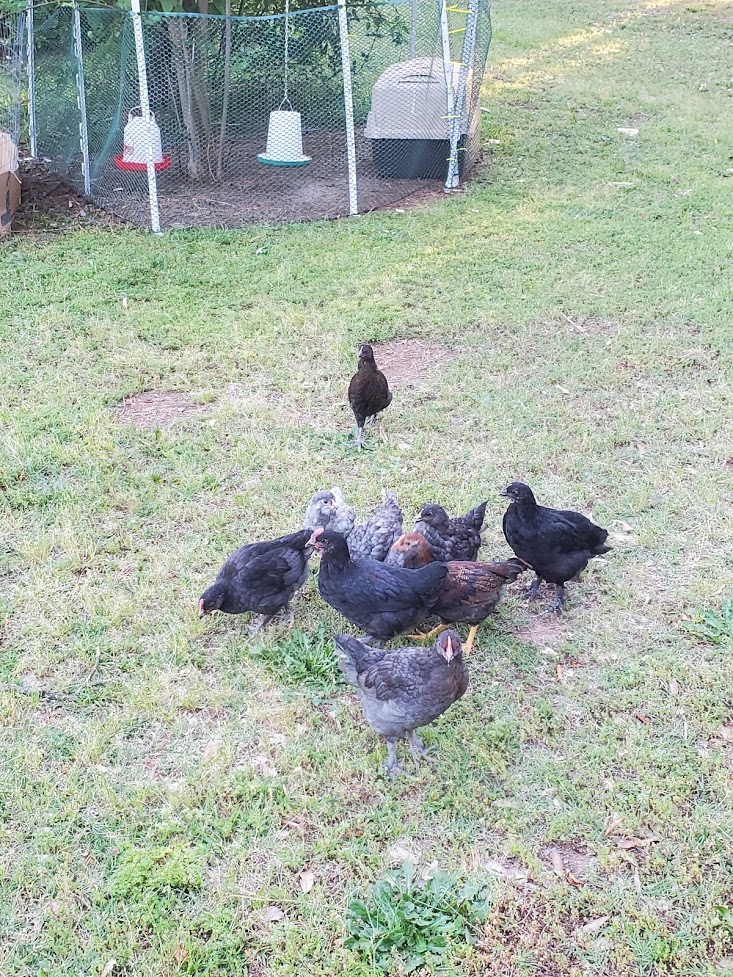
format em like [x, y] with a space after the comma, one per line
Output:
[177, 32]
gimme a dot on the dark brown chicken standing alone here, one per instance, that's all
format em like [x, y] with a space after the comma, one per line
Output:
[369, 391]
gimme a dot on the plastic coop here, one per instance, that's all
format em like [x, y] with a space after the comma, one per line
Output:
[178, 120]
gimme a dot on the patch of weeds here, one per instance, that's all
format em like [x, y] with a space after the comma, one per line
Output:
[403, 918]
[725, 920]
[304, 658]
[715, 627]
[157, 869]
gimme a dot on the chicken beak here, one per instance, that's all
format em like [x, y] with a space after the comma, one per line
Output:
[449, 650]
[202, 608]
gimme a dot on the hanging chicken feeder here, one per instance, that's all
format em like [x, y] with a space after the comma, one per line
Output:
[141, 139]
[284, 139]
[284, 130]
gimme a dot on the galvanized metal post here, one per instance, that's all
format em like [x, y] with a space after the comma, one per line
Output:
[413, 28]
[460, 120]
[142, 73]
[82, 102]
[447, 64]
[30, 60]
[348, 107]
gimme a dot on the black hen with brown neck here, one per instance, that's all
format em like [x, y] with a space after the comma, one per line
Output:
[451, 539]
[556, 543]
[383, 601]
[261, 577]
[369, 391]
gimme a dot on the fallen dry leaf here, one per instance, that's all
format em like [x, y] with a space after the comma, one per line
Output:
[628, 843]
[558, 672]
[108, 968]
[725, 733]
[614, 821]
[307, 879]
[262, 763]
[428, 871]
[573, 879]
[272, 914]
[592, 926]
[398, 854]
[180, 954]
[212, 748]
[55, 907]
[674, 687]
[557, 863]
[641, 717]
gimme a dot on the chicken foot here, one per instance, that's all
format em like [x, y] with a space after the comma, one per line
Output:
[259, 623]
[431, 634]
[264, 619]
[531, 592]
[417, 746]
[392, 765]
[558, 605]
[470, 639]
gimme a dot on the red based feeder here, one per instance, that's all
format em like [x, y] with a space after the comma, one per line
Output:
[140, 137]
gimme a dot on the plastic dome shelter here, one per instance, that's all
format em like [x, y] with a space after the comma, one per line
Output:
[387, 96]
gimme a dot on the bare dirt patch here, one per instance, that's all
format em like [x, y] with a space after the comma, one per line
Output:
[48, 205]
[570, 858]
[156, 408]
[407, 362]
[541, 631]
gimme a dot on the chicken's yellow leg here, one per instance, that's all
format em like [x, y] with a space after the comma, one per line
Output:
[470, 640]
[430, 634]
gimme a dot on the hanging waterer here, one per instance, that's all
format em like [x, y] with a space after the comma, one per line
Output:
[284, 131]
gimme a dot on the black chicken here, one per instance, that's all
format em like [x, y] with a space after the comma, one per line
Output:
[372, 539]
[451, 539]
[368, 391]
[402, 689]
[260, 577]
[381, 600]
[471, 591]
[556, 543]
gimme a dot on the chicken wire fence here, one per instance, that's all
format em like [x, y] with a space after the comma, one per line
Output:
[185, 120]
[12, 41]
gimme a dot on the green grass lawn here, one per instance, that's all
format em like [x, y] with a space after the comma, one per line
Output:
[205, 805]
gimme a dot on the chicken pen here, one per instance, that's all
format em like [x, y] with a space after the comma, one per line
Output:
[185, 120]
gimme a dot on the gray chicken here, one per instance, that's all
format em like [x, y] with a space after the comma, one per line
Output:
[402, 689]
[451, 539]
[373, 539]
[329, 510]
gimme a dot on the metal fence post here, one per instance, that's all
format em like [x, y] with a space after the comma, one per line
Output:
[459, 113]
[413, 28]
[348, 107]
[142, 73]
[82, 101]
[30, 53]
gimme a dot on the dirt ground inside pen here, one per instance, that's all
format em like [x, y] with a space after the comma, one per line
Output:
[253, 193]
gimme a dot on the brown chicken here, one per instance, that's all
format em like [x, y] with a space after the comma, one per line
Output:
[471, 591]
[368, 391]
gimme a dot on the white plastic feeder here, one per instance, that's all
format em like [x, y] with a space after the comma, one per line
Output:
[284, 130]
[284, 140]
[140, 134]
